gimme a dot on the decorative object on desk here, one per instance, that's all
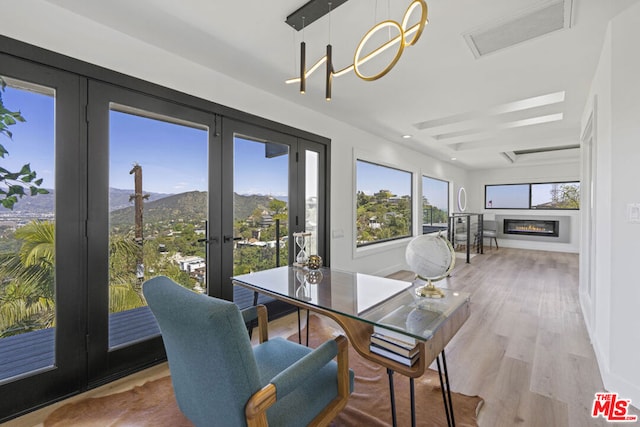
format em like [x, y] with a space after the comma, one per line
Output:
[302, 290]
[301, 251]
[400, 347]
[315, 262]
[314, 277]
[394, 345]
[432, 258]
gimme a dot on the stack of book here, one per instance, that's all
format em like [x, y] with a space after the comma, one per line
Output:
[394, 345]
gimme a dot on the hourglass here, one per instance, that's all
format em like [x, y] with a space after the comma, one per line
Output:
[301, 243]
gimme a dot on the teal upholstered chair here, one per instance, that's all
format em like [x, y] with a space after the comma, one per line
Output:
[219, 379]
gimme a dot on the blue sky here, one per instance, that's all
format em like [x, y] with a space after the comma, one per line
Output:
[256, 174]
[173, 157]
[371, 178]
[508, 196]
[33, 140]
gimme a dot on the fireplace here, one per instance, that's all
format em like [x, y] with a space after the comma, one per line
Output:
[532, 227]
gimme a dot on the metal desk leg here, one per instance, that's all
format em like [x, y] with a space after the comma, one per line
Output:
[300, 328]
[446, 395]
[308, 328]
[392, 396]
[253, 323]
[413, 402]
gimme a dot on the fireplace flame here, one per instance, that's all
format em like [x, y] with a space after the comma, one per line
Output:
[530, 227]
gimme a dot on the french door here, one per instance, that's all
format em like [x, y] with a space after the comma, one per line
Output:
[274, 186]
[153, 204]
[133, 186]
[42, 245]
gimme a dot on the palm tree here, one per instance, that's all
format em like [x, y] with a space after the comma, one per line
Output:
[27, 280]
[27, 291]
[124, 294]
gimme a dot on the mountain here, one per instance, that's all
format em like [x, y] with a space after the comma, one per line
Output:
[159, 207]
[244, 205]
[188, 206]
[34, 205]
[43, 203]
[119, 199]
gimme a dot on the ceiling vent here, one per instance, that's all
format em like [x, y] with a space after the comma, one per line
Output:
[545, 18]
[547, 149]
[513, 156]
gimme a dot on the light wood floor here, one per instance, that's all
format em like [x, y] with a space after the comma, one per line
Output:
[524, 349]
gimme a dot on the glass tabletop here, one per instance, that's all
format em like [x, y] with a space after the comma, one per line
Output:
[379, 301]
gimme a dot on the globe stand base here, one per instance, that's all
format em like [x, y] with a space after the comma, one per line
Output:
[429, 291]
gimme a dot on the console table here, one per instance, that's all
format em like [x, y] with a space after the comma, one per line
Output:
[357, 302]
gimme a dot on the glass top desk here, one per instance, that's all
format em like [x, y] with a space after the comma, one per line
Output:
[357, 302]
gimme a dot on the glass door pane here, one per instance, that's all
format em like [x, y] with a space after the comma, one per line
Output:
[27, 228]
[311, 202]
[260, 205]
[153, 164]
[158, 211]
[435, 205]
[42, 335]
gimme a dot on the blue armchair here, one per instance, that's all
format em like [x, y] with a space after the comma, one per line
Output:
[219, 379]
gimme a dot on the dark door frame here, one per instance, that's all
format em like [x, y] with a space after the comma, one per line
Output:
[69, 371]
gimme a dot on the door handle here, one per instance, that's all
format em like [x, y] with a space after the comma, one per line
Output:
[207, 241]
[227, 239]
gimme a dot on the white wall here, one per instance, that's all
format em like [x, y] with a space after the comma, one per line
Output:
[59, 30]
[526, 174]
[615, 331]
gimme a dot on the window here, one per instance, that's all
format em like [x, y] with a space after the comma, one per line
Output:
[559, 195]
[550, 195]
[435, 204]
[383, 203]
[511, 196]
[27, 226]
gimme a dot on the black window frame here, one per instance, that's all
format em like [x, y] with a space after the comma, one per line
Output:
[410, 227]
[530, 185]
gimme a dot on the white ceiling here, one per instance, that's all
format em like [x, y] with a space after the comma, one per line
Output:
[453, 104]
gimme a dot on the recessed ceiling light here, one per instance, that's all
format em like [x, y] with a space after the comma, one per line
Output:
[454, 158]
[406, 136]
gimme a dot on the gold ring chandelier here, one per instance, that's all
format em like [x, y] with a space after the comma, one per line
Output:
[407, 36]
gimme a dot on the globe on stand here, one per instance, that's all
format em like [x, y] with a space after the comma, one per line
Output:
[432, 258]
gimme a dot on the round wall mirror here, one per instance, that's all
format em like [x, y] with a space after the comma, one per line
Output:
[462, 199]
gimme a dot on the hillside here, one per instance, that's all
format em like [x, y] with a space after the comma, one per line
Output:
[187, 206]
[43, 203]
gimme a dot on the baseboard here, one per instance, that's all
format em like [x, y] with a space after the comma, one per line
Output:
[538, 246]
[616, 384]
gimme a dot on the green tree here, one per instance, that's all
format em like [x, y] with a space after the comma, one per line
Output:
[569, 197]
[13, 185]
[123, 290]
[277, 206]
[27, 291]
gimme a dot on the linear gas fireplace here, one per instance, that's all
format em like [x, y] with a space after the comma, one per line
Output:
[532, 227]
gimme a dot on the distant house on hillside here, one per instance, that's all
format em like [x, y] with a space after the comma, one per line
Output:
[266, 220]
[191, 263]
